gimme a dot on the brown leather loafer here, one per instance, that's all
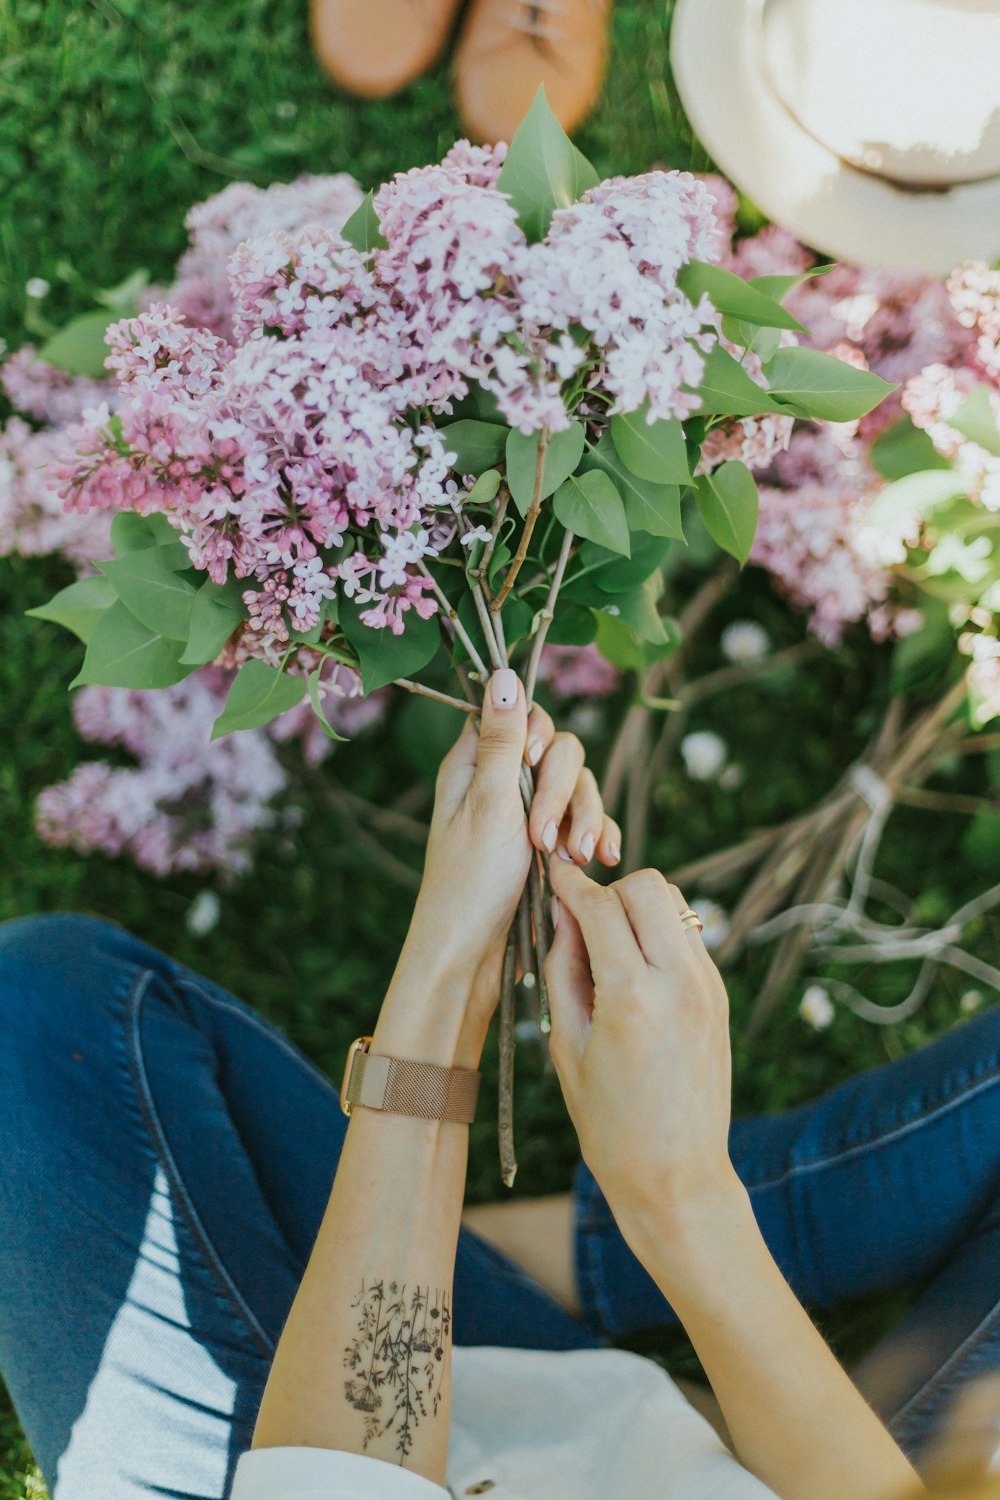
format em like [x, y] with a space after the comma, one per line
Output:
[509, 47]
[376, 47]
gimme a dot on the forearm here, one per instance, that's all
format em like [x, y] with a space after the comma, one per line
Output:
[364, 1361]
[795, 1417]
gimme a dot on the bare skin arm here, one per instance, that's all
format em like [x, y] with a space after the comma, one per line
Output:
[640, 1041]
[364, 1362]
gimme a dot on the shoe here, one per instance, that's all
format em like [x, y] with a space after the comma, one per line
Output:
[376, 47]
[509, 47]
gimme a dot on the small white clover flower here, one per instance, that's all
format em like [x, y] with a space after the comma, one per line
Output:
[732, 777]
[715, 921]
[37, 288]
[203, 914]
[971, 1000]
[745, 641]
[704, 754]
[816, 1007]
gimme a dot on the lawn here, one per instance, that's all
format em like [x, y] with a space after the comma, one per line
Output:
[114, 118]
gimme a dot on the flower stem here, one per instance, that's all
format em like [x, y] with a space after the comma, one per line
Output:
[451, 614]
[529, 525]
[505, 1117]
[547, 614]
[427, 692]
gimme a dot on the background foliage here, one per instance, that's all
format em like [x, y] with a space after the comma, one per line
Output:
[114, 118]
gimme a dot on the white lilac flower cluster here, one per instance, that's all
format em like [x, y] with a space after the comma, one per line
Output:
[312, 431]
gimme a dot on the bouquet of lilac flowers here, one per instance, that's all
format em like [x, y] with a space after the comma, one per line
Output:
[466, 424]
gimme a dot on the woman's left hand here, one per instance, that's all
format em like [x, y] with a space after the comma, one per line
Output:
[480, 847]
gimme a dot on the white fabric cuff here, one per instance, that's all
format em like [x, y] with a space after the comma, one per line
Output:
[325, 1474]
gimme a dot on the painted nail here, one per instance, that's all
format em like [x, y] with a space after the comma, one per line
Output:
[549, 835]
[564, 853]
[535, 749]
[587, 846]
[555, 911]
[503, 688]
[615, 852]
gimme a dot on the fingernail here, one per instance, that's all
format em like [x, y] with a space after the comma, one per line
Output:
[587, 846]
[549, 835]
[615, 852]
[564, 853]
[503, 688]
[555, 911]
[535, 752]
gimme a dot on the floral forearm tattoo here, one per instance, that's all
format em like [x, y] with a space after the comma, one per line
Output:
[397, 1360]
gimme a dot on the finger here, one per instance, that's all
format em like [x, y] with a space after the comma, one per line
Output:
[586, 814]
[540, 732]
[555, 778]
[654, 909]
[502, 729]
[615, 957]
[609, 845]
[458, 767]
[571, 989]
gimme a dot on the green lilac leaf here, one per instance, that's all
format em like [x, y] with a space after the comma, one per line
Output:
[732, 295]
[750, 336]
[78, 607]
[384, 656]
[123, 299]
[363, 229]
[975, 420]
[160, 598]
[258, 694]
[316, 703]
[123, 653]
[728, 504]
[79, 348]
[564, 451]
[216, 612]
[653, 451]
[477, 446]
[590, 505]
[639, 610]
[543, 170]
[651, 508]
[573, 624]
[916, 495]
[484, 491]
[727, 390]
[131, 532]
[611, 574]
[816, 385]
[778, 287]
[904, 449]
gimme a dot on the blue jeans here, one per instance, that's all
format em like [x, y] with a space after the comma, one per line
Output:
[166, 1157]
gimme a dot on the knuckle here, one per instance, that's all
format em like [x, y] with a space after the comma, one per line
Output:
[568, 745]
[646, 882]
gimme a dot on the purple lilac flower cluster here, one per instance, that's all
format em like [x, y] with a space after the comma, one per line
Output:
[303, 455]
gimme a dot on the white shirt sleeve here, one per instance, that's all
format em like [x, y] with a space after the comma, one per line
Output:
[325, 1474]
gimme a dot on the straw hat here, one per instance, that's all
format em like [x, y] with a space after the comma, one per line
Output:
[869, 128]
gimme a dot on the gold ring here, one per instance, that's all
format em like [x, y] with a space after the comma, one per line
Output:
[691, 918]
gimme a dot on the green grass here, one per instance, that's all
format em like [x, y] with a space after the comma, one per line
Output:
[114, 118]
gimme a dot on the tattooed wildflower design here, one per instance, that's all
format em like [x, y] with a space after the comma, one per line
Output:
[397, 1360]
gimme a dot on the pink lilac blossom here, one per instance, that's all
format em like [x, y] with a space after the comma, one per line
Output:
[45, 394]
[189, 805]
[814, 538]
[577, 672]
[931, 399]
[272, 451]
[243, 212]
[33, 520]
[984, 675]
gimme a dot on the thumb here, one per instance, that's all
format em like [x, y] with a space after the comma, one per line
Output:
[503, 729]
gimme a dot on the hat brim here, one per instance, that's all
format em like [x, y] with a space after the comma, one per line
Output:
[715, 50]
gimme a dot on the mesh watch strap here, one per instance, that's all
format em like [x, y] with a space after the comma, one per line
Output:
[410, 1088]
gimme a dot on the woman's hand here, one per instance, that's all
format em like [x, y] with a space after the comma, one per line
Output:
[640, 1041]
[480, 847]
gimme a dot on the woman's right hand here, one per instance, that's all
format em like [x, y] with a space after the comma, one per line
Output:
[640, 1041]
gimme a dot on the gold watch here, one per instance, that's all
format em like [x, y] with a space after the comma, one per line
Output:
[401, 1087]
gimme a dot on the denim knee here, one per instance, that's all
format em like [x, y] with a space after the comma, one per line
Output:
[52, 965]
